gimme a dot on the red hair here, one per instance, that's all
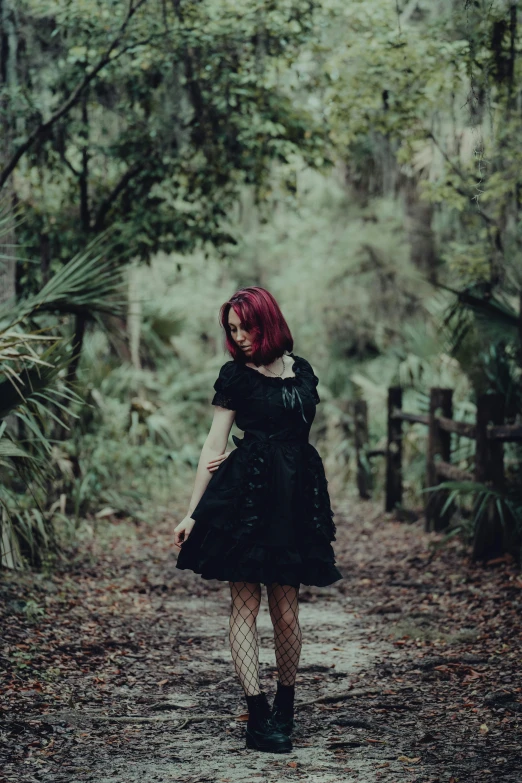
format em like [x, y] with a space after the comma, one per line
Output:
[261, 315]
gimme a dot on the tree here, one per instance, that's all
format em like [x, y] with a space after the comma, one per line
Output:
[8, 85]
[148, 118]
[172, 108]
[423, 100]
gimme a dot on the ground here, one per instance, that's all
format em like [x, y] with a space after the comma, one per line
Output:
[116, 667]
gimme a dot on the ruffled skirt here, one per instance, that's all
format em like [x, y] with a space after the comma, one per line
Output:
[265, 517]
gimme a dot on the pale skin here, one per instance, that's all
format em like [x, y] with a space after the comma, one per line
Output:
[214, 451]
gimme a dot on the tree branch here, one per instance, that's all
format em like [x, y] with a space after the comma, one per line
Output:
[113, 195]
[74, 96]
[485, 217]
[64, 159]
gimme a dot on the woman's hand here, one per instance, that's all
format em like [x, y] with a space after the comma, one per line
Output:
[183, 530]
[214, 464]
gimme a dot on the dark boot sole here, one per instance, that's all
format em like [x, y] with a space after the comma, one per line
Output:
[252, 744]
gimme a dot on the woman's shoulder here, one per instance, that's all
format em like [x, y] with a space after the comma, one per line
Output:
[230, 372]
[229, 386]
[303, 364]
[306, 371]
[229, 367]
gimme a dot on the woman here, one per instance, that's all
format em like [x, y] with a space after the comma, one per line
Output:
[261, 515]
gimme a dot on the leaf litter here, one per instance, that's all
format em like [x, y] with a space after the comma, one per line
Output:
[115, 666]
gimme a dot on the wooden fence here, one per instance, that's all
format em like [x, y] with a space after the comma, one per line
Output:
[489, 433]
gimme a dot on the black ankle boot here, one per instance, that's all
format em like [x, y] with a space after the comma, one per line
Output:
[283, 709]
[261, 733]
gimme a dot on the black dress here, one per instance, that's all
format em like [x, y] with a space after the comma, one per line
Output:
[265, 515]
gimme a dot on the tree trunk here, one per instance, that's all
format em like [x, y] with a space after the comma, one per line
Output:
[490, 538]
[419, 216]
[81, 318]
[7, 257]
[394, 452]
[8, 80]
[439, 444]
[134, 316]
[364, 478]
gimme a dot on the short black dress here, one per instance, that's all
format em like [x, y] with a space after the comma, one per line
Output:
[265, 514]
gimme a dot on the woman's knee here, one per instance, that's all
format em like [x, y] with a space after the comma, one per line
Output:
[248, 614]
[286, 622]
[246, 599]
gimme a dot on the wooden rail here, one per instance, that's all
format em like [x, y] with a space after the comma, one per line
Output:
[413, 417]
[452, 473]
[506, 432]
[489, 433]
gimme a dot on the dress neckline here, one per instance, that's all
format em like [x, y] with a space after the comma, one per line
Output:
[296, 367]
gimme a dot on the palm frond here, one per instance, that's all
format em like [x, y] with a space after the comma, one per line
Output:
[22, 530]
[484, 495]
[10, 449]
[18, 352]
[91, 282]
[32, 381]
[492, 313]
[29, 468]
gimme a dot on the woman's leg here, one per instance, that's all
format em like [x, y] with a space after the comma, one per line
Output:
[261, 733]
[283, 601]
[244, 642]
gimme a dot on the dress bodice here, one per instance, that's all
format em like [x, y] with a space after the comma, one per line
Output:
[278, 408]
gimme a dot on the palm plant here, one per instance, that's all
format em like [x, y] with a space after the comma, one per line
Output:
[488, 503]
[484, 331]
[36, 395]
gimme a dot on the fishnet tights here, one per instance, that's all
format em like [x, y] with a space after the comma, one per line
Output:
[283, 602]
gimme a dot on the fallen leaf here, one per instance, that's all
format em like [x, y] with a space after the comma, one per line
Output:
[484, 729]
[292, 764]
[409, 760]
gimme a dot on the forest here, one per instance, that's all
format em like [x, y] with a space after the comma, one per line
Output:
[362, 160]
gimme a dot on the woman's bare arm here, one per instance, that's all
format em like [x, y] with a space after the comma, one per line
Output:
[215, 445]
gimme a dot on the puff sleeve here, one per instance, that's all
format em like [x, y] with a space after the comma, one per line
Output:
[313, 380]
[228, 387]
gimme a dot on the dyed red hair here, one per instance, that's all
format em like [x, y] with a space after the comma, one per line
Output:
[261, 315]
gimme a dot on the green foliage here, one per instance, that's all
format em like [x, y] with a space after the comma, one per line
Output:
[506, 505]
[177, 106]
[199, 137]
[36, 398]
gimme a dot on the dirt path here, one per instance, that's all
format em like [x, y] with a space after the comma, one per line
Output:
[117, 667]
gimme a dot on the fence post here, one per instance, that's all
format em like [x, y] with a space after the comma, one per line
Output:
[360, 413]
[394, 451]
[520, 329]
[439, 443]
[489, 535]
